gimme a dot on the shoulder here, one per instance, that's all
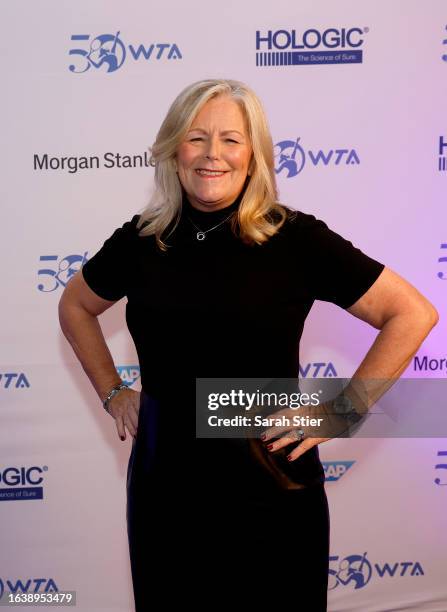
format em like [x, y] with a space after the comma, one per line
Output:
[132, 225]
[305, 230]
[123, 235]
[298, 223]
[129, 228]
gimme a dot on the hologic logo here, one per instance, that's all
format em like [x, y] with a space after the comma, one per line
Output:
[30, 585]
[318, 369]
[20, 483]
[107, 52]
[291, 157]
[442, 159]
[334, 470]
[356, 571]
[129, 374]
[13, 380]
[313, 46]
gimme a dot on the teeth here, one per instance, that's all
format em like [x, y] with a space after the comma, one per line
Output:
[209, 172]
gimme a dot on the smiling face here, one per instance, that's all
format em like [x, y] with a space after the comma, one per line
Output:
[214, 157]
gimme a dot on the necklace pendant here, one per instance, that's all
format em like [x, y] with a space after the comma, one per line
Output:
[200, 235]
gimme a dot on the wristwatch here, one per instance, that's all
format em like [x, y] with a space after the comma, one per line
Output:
[344, 407]
[116, 389]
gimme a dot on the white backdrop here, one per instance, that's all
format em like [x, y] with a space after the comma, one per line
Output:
[365, 152]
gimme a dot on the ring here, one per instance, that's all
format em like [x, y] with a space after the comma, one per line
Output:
[301, 434]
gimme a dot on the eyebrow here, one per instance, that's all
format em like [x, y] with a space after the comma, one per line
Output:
[223, 132]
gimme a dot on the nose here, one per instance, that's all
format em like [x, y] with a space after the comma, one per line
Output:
[212, 150]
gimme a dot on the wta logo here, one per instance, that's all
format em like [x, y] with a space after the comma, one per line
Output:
[30, 585]
[13, 380]
[356, 571]
[57, 271]
[108, 52]
[291, 157]
[318, 369]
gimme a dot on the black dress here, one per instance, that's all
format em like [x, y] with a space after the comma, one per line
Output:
[244, 522]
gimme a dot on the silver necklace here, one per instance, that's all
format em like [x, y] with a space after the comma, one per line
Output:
[200, 235]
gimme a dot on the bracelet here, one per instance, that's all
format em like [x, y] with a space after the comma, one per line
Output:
[116, 389]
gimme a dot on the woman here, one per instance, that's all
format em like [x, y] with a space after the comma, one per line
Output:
[220, 278]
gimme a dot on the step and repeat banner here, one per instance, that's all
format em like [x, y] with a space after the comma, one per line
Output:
[356, 98]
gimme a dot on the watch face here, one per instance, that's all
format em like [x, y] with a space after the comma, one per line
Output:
[342, 405]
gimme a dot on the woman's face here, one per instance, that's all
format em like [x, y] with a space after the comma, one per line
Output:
[214, 157]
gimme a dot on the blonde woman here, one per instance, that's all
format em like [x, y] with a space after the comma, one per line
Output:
[219, 279]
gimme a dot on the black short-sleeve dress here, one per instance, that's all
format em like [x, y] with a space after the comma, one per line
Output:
[220, 308]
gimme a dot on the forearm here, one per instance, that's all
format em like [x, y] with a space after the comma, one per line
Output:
[85, 336]
[389, 356]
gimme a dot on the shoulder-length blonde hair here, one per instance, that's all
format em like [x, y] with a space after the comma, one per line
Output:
[259, 215]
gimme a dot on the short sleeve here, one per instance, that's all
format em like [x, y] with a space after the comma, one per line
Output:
[336, 270]
[106, 273]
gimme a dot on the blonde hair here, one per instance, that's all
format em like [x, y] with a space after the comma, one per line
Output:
[256, 220]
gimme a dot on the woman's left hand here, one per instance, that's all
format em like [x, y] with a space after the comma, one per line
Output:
[298, 450]
[279, 436]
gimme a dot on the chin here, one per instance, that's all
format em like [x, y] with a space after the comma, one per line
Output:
[210, 198]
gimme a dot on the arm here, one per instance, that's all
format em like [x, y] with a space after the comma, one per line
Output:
[405, 318]
[79, 308]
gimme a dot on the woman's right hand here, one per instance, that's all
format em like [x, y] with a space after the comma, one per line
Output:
[124, 407]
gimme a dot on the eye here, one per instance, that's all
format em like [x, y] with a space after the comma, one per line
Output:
[195, 138]
[231, 140]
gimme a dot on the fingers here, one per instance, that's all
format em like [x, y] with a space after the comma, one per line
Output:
[131, 421]
[305, 445]
[292, 432]
[120, 427]
[315, 422]
[283, 441]
[299, 449]
[125, 410]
